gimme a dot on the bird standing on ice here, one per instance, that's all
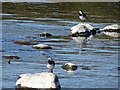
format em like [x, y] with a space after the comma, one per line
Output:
[50, 64]
[82, 16]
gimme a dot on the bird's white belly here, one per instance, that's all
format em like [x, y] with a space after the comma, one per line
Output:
[50, 66]
[82, 18]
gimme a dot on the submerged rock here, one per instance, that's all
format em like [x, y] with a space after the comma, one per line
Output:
[44, 34]
[24, 43]
[42, 46]
[10, 57]
[38, 80]
[69, 67]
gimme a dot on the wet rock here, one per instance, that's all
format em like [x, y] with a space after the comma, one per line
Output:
[112, 30]
[38, 80]
[10, 57]
[81, 30]
[24, 42]
[69, 67]
[42, 46]
[44, 34]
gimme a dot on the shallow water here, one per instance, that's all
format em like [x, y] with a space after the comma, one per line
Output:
[99, 53]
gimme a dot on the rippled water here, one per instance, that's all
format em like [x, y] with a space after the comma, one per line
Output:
[99, 53]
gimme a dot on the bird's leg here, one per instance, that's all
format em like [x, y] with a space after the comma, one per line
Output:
[83, 21]
[51, 70]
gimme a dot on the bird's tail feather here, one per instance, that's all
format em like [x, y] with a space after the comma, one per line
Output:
[88, 20]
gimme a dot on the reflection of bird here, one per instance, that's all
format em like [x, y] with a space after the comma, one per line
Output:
[82, 16]
[50, 64]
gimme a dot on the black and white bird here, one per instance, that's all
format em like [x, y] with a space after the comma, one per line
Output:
[50, 64]
[82, 16]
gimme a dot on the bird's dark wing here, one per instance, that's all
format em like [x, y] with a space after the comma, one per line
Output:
[80, 14]
[49, 61]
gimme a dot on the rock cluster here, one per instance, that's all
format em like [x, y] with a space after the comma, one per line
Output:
[87, 30]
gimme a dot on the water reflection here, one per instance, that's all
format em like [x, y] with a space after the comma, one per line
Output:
[81, 40]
